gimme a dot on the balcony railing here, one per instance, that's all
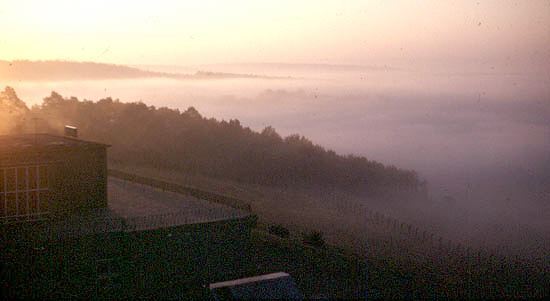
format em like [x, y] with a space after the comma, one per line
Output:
[104, 221]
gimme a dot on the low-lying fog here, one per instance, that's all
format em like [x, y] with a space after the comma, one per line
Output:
[481, 139]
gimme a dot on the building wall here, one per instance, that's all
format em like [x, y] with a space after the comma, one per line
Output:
[71, 180]
[79, 181]
[143, 264]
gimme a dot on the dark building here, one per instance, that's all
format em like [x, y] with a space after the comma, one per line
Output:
[70, 230]
[43, 174]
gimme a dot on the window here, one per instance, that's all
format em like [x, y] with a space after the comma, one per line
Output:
[21, 180]
[43, 177]
[33, 178]
[24, 192]
[9, 178]
[11, 204]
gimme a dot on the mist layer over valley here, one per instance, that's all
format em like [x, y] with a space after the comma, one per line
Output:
[481, 138]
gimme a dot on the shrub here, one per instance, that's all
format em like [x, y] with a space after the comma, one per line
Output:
[279, 230]
[314, 238]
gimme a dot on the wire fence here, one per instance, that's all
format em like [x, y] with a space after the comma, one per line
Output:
[192, 216]
[64, 227]
[395, 233]
[187, 190]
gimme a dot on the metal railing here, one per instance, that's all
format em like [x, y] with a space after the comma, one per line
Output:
[193, 216]
[169, 186]
[72, 226]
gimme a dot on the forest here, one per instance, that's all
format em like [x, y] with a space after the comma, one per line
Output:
[186, 141]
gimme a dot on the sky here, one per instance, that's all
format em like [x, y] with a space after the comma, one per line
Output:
[333, 32]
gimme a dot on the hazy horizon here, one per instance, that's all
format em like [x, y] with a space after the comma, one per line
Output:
[504, 34]
[456, 90]
[421, 120]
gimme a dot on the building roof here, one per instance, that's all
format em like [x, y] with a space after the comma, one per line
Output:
[136, 207]
[144, 207]
[248, 280]
[43, 142]
[278, 286]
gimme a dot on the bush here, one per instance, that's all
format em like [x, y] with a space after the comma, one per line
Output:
[279, 230]
[314, 238]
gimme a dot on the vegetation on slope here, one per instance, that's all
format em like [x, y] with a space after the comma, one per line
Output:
[188, 142]
[171, 142]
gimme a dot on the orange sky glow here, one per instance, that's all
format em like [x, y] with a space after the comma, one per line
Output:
[351, 32]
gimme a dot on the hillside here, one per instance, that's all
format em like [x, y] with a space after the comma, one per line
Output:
[164, 138]
[402, 260]
[65, 70]
[294, 183]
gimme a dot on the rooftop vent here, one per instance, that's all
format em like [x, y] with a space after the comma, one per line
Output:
[71, 131]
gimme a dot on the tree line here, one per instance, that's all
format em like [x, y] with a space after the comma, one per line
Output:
[188, 142]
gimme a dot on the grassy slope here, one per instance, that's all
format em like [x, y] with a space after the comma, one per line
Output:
[398, 266]
[334, 273]
[318, 272]
[297, 210]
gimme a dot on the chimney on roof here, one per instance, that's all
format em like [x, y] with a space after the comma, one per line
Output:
[71, 131]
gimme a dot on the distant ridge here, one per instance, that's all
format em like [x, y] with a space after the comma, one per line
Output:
[23, 70]
[308, 66]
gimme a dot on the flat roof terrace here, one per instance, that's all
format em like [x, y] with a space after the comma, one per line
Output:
[42, 142]
[144, 207]
[135, 207]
